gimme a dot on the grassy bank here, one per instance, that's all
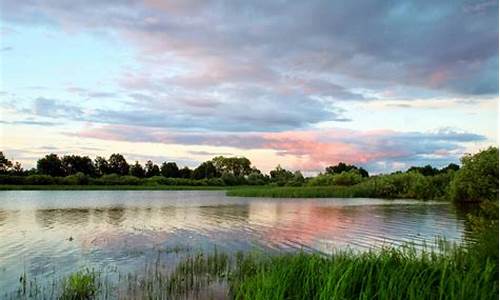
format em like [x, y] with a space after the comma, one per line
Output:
[296, 192]
[57, 187]
[401, 273]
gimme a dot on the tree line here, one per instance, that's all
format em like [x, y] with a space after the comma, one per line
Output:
[235, 168]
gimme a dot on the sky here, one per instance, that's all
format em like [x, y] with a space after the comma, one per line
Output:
[380, 84]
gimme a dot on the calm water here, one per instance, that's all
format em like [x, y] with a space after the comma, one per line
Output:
[53, 232]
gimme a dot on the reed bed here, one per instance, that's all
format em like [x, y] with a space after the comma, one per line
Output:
[402, 273]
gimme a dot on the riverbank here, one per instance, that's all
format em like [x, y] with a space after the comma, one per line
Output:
[57, 187]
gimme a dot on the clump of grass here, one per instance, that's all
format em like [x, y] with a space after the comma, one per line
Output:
[389, 274]
[83, 284]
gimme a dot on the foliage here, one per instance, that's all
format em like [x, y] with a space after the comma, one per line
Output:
[117, 164]
[205, 170]
[342, 167]
[73, 164]
[137, 170]
[80, 285]
[477, 180]
[256, 178]
[281, 176]
[170, 169]
[101, 165]
[51, 165]
[5, 164]
[151, 169]
[185, 173]
[237, 166]
[76, 179]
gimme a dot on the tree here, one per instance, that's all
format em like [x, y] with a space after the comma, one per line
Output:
[151, 169]
[170, 170]
[280, 175]
[427, 170]
[205, 170]
[450, 167]
[118, 164]
[185, 172]
[50, 165]
[5, 164]
[477, 179]
[342, 167]
[101, 166]
[137, 170]
[73, 164]
[17, 169]
[238, 166]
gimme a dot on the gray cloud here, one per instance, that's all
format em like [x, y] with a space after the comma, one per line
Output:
[53, 108]
[287, 52]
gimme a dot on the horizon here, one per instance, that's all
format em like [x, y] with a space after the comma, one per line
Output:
[383, 86]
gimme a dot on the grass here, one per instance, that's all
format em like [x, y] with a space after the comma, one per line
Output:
[298, 192]
[390, 274]
[403, 273]
[84, 284]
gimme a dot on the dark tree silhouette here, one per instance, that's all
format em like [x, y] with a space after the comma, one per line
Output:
[50, 165]
[118, 164]
[170, 169]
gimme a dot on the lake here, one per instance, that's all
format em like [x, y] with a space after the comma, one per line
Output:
[48, 233]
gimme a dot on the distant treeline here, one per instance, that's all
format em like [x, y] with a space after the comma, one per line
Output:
[417, 182]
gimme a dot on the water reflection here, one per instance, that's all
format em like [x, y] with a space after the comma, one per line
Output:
[48, 230]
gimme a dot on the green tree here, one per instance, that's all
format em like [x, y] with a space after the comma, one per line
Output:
[118, 164]
[205, 170]
[477, 179]
[101, 166]
[238, 166]
[17, 169]
[185, 172]
[151, 169]
[342, 167]
[50, 165]
[427, 170]
[137, 170]
[73, 164]
[281, 176]
[5, 164]
[170, 170]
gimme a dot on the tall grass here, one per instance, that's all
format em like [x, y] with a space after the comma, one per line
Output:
[301, 192]
[390, 274]
[403, 273]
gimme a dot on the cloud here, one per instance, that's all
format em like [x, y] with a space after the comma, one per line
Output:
[322, 47]
[53, 108]
[315, 149]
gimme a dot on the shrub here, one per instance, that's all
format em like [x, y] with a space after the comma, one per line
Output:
[41, 179]
[10, 179]
[477, 180]
[76, 179]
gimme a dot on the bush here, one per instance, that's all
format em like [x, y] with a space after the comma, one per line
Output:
[477, 180]
[229, 178]
[10, 179]
[114, 179]
[76, 179]
[351, 177]
[41, 179]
